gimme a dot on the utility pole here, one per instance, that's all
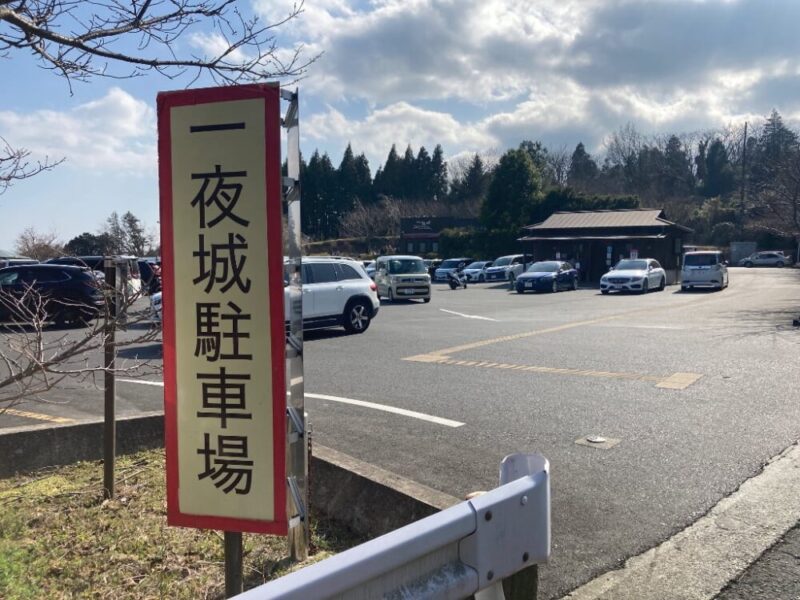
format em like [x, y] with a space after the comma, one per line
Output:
[743, 183]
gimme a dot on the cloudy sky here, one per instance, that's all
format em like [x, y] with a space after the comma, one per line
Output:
[471, 75]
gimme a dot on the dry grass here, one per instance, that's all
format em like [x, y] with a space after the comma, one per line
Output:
[60, 539]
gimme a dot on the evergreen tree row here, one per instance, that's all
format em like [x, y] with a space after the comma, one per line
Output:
[748, 176]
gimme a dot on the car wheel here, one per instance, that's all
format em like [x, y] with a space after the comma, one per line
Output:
[426, 300]
[645, 286]
[604, 292]
[748, 264]
[520, 290]
[357, 317]
[684, 288]
[574, 284]
[662, 285]
[554, 289]
[481, 278]
[390, 295]
[779, 264]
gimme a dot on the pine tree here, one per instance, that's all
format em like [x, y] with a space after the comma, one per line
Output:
[438, 182]
[476, 181]
[117, 234]
[582, 168]
[138, 244]
[364, 192]
[421, 184]
[514, 193]
[408, 172]
[719, 172]
[387, 179]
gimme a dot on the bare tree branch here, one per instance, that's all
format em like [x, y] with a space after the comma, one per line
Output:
[34, 358]
[80, 39]
[15, 165]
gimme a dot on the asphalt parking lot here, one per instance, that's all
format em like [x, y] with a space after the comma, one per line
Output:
[693, 392]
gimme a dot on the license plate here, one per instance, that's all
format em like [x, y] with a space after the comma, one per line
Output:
[529, 284]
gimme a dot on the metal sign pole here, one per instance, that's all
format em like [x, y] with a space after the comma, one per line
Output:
[110, 426]
[233, 563]
[296, 438]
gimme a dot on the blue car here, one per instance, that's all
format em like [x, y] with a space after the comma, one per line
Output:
[548, 276]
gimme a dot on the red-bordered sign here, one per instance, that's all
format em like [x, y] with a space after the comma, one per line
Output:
[223, 313]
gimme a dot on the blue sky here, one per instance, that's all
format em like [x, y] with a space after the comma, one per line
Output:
[472, 75]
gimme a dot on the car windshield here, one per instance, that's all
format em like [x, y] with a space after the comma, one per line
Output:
[631, 265]
[451, 263]
[476, 265]
[700, 260]
[405, 266]
[503, 261]
[543, 267]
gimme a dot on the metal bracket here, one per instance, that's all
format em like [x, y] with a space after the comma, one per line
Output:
[513, 529]
[297, 498]
[298, 427]
[289, 183]
[290, 119]
[296, 345]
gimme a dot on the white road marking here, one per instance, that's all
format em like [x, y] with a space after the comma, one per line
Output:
[458, 314]
[142, 382]
[373, 405]
[389, 409]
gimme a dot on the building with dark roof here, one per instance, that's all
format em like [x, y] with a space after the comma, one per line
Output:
[420, 235]
[596, 240]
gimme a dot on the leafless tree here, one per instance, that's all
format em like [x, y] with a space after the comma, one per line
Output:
[558, 160]
[38, 245]
[35, 356]
[779, 199]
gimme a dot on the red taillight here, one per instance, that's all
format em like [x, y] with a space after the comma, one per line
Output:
[373, 287]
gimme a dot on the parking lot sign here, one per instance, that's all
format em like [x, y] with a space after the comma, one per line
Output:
[223, 315]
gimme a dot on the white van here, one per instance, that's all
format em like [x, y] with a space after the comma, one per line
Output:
[402, 277]
[704, 270]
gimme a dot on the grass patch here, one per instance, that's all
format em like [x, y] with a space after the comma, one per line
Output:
[60, 539]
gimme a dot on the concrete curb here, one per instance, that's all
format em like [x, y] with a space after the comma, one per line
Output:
[369, 500]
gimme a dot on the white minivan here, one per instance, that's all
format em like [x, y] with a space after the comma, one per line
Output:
[402, 276]
[704, 270]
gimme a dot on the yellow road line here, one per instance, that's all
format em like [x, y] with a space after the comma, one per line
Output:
[676, 381]
[431, 356]
[32, 415]
[511, 338]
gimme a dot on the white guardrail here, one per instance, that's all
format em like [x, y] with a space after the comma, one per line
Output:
[452, 554]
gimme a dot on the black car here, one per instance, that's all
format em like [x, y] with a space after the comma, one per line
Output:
[60, 293]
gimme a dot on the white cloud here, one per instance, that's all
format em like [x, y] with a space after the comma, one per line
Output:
[115, 132]
[402, 123]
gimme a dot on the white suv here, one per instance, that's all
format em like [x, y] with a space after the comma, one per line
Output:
[336, 293]
[506, 268]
